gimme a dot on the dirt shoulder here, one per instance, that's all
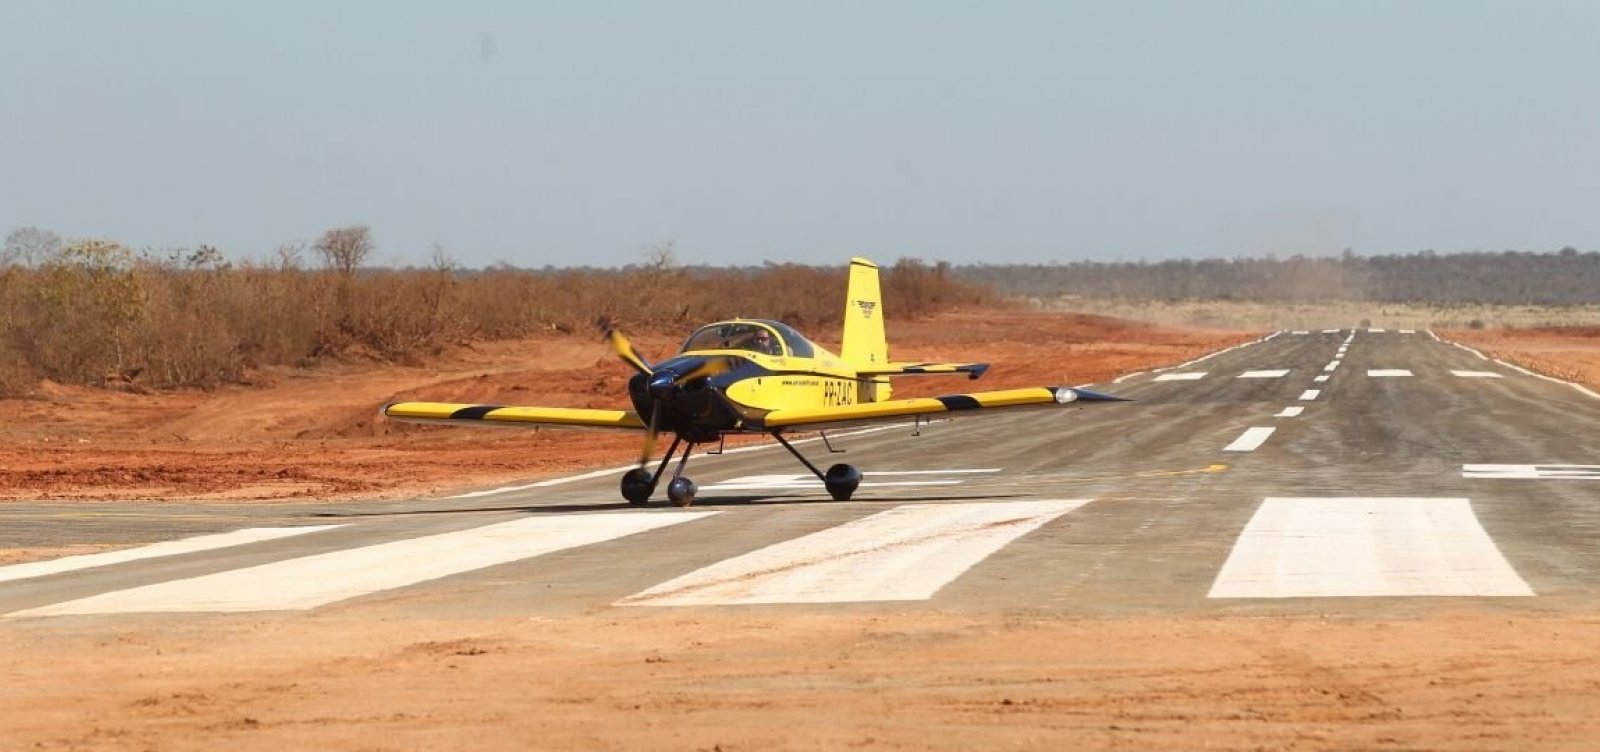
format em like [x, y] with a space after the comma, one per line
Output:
[732, 679]
[1570, 352]
[316, 434]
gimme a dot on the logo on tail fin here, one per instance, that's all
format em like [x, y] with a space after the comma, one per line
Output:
[866, 307]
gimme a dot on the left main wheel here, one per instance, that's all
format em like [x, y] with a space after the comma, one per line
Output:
[636, 486]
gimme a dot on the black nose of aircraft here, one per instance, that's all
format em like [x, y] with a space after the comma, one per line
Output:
[663, 385]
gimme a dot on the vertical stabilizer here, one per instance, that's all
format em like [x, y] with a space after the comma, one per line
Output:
[864, 343]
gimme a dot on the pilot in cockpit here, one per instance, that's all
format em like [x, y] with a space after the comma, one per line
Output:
[762, 342]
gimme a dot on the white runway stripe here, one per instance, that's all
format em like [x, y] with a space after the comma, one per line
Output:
[1273, 374]
[153, 551]
[905, 553]
[1307, 548]
[1532, 472]
[1250, 440]
[1190, 376]
[312, 581]
[1388, 372]
[1309, 394]
[1321, 379]
[1290, 412]
[1477, 374]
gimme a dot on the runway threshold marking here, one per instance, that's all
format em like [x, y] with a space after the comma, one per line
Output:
[1250, 440]
[623, 468]
[789, 481]
[1212, 468]
[311, 581]
[1327, 547]
[154, 551]
[903, 554]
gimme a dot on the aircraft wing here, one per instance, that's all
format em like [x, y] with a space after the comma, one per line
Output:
[445, 412]
[973, 370]
[824, 417]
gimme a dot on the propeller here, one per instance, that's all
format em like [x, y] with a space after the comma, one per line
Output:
[624, 349]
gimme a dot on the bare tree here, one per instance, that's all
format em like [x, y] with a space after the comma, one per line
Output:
[29, 246]
[345, 248]
[660, 256]
[440, 260]
[289, 254]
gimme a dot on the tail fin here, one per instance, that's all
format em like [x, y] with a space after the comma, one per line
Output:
[865, 344]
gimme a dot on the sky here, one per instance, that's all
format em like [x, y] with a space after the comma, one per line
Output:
[584, 133]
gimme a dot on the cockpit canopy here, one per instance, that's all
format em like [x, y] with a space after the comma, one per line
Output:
[761, 336]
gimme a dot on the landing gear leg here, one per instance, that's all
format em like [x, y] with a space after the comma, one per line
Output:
[841, 480]
[638, 484]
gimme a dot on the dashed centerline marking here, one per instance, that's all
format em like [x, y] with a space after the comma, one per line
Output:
[1309, 394]
[1250, 440]
[1290, 412]
[1274, 374]
[1388, 372]
[1477, 374]
[1190, 376]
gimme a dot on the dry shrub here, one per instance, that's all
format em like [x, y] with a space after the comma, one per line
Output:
[97, 312]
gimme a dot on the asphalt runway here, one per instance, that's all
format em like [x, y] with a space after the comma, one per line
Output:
[1318, 472]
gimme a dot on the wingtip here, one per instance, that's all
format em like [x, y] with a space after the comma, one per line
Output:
[1089, 395]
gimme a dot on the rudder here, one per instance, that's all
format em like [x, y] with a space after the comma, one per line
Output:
[865, 344]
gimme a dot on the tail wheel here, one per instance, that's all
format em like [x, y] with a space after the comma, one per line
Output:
[841, 481]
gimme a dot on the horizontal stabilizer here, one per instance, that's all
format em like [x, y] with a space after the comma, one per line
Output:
[973, 370]
[445, 412]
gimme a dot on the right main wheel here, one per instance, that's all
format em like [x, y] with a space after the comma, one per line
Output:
[842, 481]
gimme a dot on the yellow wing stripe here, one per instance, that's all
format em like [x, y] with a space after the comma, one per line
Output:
[921, 406]
[446, 412]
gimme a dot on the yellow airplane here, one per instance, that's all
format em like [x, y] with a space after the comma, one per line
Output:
[757, 376]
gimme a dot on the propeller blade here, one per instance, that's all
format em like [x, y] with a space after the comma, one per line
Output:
[649, 438]
[711, 367]
[624, 349]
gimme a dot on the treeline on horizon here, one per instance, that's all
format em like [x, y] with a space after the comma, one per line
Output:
[1562, 278]
[99, 313]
